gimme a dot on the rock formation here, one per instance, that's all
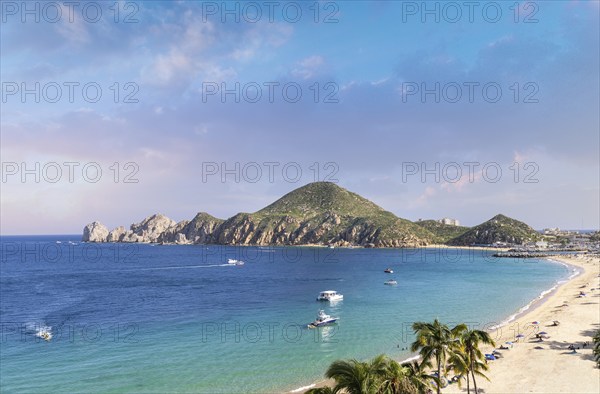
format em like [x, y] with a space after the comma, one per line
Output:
[117, 234]
[95, 232]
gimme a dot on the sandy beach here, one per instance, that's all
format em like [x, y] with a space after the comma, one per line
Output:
[530, 366]
[549, 366]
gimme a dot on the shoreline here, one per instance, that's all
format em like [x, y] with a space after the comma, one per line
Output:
[444, 246]
[547, 366]
[349, 247]
[580, 271]
[543, 297]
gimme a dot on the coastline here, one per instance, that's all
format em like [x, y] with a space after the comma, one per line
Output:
[549, 366]
[585, 271]
[545, 295]
[488, 248]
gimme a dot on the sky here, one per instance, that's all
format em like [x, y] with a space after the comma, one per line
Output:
[114, 110]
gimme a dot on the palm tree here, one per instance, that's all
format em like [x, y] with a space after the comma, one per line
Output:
[476, 367]
[470, 340]
[381, 375]
[460, 365]
[436, 341]
[356, 377]
[395, 380]
[351, 376]
[417, 375]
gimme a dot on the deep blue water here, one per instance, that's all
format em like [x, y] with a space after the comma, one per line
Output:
[146, 318]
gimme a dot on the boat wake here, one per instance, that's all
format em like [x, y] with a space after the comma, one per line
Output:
[40, 331]
[177, 267]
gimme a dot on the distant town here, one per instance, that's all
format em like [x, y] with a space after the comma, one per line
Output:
[554, 239]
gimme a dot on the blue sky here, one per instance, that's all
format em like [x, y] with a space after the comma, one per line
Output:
[373, 62]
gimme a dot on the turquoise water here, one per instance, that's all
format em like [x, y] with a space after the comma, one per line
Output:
[150, 318]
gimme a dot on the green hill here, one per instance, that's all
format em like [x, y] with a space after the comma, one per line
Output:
[442, 232]
[320, 213]
[326, 214]
[500, 228]
[319, 197]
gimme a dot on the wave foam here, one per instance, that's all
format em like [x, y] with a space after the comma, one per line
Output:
[303, 388]
[414, 358]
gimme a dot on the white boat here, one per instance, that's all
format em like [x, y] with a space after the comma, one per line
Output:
[329, 295]
[44, 334]
[388, 271]
[235, 262]
[322, 319]
[390, 282]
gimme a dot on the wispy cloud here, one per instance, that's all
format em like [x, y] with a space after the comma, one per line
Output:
[309, 67]
[375, 126]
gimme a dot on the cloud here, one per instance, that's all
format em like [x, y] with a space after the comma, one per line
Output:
[309, 67]
[368, 133]
[73, 28]
[167, 67]
[380, 81]
[424, 198]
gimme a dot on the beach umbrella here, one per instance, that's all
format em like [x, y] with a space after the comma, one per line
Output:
[520, 336]
[508, 342]
[535, 322]
[542, 333]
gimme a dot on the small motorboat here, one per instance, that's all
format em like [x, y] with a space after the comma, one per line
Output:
[235, 262]
[388, 271]
[390, 282]
[44, 334]
[322, 319]
[329, 295]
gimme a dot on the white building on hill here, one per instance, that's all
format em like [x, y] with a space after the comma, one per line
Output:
[449, 221]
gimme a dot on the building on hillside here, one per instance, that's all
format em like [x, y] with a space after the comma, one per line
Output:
[551, 231]
[449, 221]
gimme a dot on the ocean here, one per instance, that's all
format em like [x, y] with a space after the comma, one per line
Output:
[150, 318]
